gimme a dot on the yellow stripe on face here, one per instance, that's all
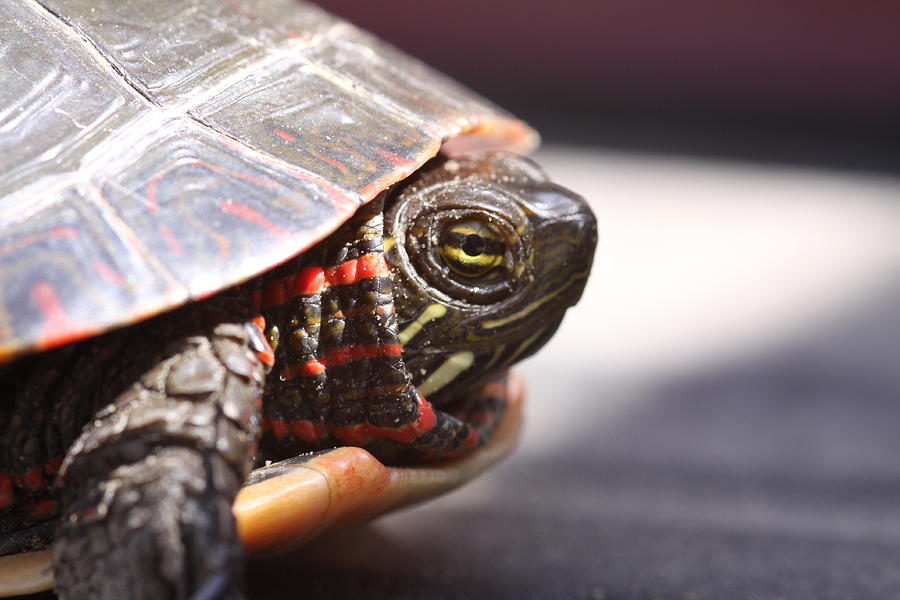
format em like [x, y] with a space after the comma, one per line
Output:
[494, 357]
[494, 323]
[432, 312]
[524, 345]
[447, 372]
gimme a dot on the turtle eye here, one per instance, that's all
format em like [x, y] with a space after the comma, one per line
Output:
[472, 249]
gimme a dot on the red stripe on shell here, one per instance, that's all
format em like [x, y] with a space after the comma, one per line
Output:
[107, 272]
[334, 163]
[242, 211]
[67, 233]
[57, 324]
[396, 159]
[284, 135]
[171, 241]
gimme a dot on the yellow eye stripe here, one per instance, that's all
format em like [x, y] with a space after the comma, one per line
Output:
[471, 248]
[455, 254]
[472, 228]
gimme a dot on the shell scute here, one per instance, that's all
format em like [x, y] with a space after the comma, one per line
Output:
[56, 101]
[208, 141]
[323, 127]
[173, 52]
[54, 281]
[198, 206]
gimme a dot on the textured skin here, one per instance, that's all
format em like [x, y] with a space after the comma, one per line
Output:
[198, 386]
[159, 151]
[150, 482]
[341, 376]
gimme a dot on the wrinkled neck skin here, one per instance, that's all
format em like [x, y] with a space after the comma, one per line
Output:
[429, 290]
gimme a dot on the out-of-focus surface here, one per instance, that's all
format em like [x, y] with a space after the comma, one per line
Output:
[717, 418]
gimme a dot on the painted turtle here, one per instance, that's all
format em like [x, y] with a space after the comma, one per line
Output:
[235, 233]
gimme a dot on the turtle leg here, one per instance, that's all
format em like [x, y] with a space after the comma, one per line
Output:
[148, 487]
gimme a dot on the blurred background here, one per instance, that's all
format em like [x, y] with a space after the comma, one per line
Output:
[720, 417]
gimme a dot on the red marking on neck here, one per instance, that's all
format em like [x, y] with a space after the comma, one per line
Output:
[341, 356]
[362, 434]
[310, 280]
[277, 426]
[351, 271]
[314, 280]
[303, 429]
[266, 354]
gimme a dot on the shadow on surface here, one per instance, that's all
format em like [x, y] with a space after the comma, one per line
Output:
[773, 478]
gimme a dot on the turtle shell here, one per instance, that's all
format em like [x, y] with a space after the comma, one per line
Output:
[154, 152]
[157, 151]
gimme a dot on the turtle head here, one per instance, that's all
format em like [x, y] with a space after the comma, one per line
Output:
[487, 255]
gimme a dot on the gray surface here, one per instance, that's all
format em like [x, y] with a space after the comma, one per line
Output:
[716, 433]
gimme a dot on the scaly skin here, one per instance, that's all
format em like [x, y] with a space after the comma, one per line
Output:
[159, 422]
[150, 482]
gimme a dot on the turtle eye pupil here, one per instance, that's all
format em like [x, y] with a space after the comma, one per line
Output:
[471, 248]
[473, 245]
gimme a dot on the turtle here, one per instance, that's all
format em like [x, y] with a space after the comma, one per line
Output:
[261, 275]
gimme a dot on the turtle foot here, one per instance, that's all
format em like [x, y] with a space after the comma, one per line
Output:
[153, 529]
[149, 484]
